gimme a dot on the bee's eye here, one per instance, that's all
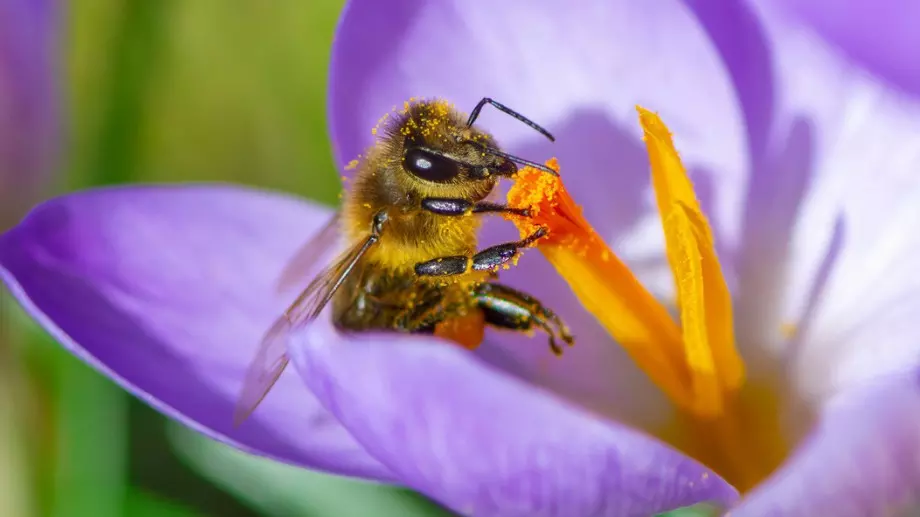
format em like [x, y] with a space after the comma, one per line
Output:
[428, 166]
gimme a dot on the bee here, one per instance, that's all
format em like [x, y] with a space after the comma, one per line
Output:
[410, 221]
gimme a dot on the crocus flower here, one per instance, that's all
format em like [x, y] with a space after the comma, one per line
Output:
[803, 171]
[28, 104]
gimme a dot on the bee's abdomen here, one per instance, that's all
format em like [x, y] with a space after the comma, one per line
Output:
[383, 298]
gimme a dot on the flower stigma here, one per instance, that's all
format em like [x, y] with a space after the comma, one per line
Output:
[694, 362]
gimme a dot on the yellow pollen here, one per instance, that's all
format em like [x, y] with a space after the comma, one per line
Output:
[695, 363]
[380, 122]
[789, 330]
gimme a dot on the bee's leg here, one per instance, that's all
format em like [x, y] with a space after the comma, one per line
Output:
[486, 260]
[508, 308]
[452, 206]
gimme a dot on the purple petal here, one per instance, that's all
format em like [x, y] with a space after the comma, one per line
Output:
[740, 40]
[863, 458]
[28, 103]
[880, 35]
[168, 290]
[487, 444]
[848, 151]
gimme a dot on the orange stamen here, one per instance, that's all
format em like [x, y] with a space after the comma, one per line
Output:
[695, 363]
[701, 287]
[600, 280]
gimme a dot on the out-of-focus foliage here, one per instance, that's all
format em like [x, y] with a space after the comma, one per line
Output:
[280, 489]
[203, 91]
[697, 510]
[173, 91]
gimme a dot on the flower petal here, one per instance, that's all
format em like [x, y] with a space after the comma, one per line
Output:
[863, 458]
[741, 42]
[857, 206]
[168, 290]
[880, 35]
[484, 443]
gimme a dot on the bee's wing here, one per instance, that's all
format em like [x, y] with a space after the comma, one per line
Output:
[303, 262]
[264, 371]
[272, 358]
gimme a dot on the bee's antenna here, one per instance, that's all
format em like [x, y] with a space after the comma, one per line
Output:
[510, 157]
[508, 111]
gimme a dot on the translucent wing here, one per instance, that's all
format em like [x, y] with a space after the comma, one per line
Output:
[271, 359]
[303, 262]
[264, 371]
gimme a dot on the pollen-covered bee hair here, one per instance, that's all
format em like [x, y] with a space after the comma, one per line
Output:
[430, 150]
[411, 263]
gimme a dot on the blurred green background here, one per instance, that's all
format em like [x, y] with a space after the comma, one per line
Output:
[169, 90]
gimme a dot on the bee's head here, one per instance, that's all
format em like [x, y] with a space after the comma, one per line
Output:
[454, 160]
[440, 152]
[439, 147]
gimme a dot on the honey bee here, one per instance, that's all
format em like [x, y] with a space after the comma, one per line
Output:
[410, 221]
